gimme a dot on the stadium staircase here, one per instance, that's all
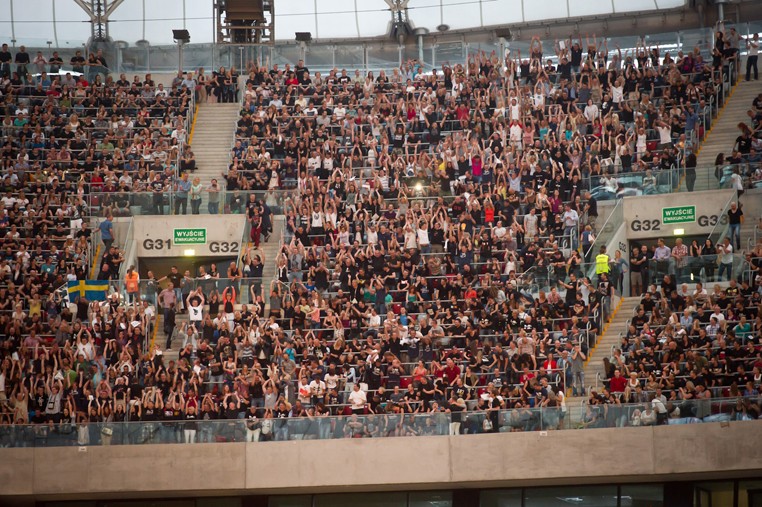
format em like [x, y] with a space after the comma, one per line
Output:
[722, 136]
[211, 142]
[609, 338]
[270, 251]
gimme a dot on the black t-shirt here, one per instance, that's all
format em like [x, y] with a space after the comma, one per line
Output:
[734, 217]
[5, 57]
[576, 56]
[636, 268]
[593, 204]
[744, 144]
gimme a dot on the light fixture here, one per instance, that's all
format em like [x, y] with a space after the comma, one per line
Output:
[678, 232]
[181, 36]
[189, 252]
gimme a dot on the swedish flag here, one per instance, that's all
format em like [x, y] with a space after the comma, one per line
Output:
[93, 290]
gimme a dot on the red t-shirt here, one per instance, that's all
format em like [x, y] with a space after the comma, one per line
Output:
[618, 384]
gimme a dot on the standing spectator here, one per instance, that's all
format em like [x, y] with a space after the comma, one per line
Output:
[357, 399]
[571, 221]
[107, 231]
[638, 262]
[751, 59]
[22, 60]
[619, 271]
[40, 62]
[176, 280]
[680, 256]
[158, 187]
[195, 195]
[725, 251]
[182, 189]
[735, 219]
[587, 239]
[602, 263]
[690, 171]
[578, 370]
[132, 284]
[591, 210]
[662, 257]
[5, 62]
[56, 62]
[213, 197]
[168, 301]
[78, 62]
[733, 41]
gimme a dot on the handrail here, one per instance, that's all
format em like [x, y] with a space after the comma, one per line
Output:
[609, 227]
[724, 225]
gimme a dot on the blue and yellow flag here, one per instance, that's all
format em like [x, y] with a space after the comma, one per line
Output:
[93, 290]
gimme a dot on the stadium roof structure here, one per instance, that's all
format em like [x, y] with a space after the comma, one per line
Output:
[63, 23]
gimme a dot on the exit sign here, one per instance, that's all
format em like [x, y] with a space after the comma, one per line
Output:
[678, 215]
[189, 237]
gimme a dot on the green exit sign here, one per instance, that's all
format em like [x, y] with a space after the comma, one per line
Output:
[678, 214]
[189, 237]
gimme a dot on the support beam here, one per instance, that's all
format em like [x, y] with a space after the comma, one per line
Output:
[112, 7]
[87, 8]
[99, 15]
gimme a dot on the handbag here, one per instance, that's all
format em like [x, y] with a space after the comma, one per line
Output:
[487, 424]
[107, 431]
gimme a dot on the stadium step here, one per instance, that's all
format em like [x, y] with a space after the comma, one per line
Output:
[722, 136]
[269, 250]
[212, 139]
[609, 338]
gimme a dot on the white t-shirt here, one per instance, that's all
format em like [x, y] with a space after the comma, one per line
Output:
[727, 257]
[665, 135]
[358, 398]
[195, 313]
[617, 92]
[753, 48]
[423, 237]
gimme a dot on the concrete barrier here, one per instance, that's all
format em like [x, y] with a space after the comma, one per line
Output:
[318, 466]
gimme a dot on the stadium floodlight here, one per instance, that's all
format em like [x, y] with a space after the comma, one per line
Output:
[181, 37]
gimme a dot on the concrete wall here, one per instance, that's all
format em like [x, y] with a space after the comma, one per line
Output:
[643, 214]
[151, 232]
[497, 460]
[752, 204]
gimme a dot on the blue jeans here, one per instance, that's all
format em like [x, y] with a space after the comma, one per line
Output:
[725, 267]
[569, 232]
[735, 232]
[579, 383]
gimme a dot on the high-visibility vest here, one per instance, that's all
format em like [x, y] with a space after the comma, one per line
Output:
[601, 264]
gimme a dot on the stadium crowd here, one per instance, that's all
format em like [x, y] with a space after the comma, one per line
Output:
[437, 257]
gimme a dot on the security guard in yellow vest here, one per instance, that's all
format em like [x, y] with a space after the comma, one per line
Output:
[602, 262]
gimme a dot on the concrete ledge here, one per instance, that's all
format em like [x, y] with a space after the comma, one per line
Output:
[496, 460]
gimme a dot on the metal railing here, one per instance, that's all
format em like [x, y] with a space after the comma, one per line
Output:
[307, 425]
